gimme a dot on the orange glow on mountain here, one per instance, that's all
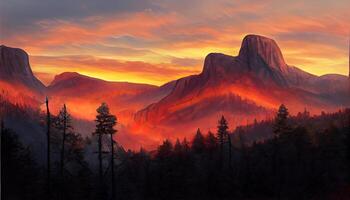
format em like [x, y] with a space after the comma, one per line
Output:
[155, 43]
[19, 94]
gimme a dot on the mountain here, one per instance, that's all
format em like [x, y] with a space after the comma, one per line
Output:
[20, 89]
[15, 69]
[21, 94]
[258, 76]
[81, 92]
[243, 88]
[75, 84]
[17, 81]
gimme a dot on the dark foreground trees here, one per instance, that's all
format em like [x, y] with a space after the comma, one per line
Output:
[304, 157]
[20, 175]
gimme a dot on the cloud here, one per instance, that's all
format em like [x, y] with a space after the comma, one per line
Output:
[186, 61]
[177, 33]
[25, 13]
[110, 69]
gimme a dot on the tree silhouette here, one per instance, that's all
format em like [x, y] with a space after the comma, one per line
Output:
[308, 158]
[63, 123]
[165, 150]
[48, 153]
[211, 142]
[105, 123]
[185, 146]
[198, 145]
[281, 125]
[18, 169]
[178, 150]
[113, 122]
[222, 137]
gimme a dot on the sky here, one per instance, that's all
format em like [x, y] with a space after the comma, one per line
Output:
[156, 41]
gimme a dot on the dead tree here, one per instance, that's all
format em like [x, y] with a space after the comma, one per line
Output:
[48, 126]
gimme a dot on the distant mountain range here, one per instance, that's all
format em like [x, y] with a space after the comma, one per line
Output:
[243, 88]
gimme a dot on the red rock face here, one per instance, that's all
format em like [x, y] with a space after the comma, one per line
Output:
[14, 67]
[261, 52]
[258, 75]
[17, 82]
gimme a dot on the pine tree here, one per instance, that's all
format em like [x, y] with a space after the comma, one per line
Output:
[112, 132]
[185, 145]
[48, 135]
[222, 136]
[198, 145]
[165, 150]
[63, 123]
[210, 142]
[281, 125]
[105, 126]
[281, 129]
[178, 147]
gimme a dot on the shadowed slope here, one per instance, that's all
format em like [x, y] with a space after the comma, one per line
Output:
[258, 75]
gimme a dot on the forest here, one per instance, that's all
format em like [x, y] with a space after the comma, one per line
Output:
[294, 157]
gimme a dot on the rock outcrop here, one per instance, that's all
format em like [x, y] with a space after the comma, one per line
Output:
[15, 68]
[258, 74]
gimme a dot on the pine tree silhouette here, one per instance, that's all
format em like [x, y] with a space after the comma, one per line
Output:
[198, 145]
[48, 153]
[222, 135]
[105, 123]
[281, 125]
[211, 142]
[63, 124]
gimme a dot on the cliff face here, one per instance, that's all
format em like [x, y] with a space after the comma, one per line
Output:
[258, 74]
[258, 56]
[261, 52]
[15, 68]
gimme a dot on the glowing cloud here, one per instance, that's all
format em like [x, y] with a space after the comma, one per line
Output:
[157, 41]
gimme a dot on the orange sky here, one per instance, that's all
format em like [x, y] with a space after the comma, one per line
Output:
[158, 41]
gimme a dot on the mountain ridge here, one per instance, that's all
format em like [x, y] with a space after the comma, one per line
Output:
[245, 87]
[15, 68]
[258, 73]
[66, 76]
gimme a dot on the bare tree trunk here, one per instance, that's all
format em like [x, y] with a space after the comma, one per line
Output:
[100, 157]
[48, 125]
[112, 169]
[63, 148]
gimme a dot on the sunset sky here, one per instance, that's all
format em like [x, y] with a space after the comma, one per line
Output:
[155, 41]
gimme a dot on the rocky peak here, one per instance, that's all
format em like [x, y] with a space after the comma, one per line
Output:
[262, 52]
[64, 77]
[217, 63]
[15, 67]
[259, 56]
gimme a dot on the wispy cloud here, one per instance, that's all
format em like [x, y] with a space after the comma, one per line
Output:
[140, 38]
[110, 69]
